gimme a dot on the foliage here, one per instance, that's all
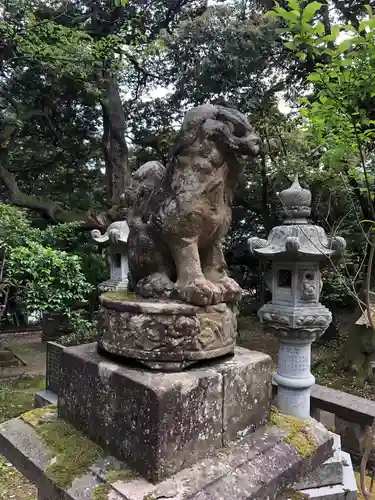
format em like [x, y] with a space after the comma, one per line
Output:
[62, 124]
[49, 280]
[45, 269]
[84, 331]
[338, 116]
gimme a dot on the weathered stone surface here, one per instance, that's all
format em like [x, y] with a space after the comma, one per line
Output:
[45, 398]
[344, 489]
[326, 474]
[247, 389]
[179, 214]
[166, 335]
[158, 422]
[21, 446]
[256, 467]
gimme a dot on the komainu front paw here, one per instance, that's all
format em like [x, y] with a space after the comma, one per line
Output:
[156, 285]
[200, 292]
[231, 290]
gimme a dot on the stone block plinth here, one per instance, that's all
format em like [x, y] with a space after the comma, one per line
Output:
[158, 422]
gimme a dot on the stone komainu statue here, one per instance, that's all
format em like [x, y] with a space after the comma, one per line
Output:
[179, 214]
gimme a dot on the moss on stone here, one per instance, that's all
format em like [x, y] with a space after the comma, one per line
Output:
[291, 494]
[120, 295]
[74, 453]
[101, 492]
[297, 433]
[124, 474]
[38, 415]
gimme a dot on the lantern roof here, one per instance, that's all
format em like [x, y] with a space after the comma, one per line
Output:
[117, 232]
[296, 238]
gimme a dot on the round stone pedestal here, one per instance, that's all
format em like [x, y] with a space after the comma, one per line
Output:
[165, 335]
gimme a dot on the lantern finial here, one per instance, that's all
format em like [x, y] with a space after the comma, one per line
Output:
[296, 202]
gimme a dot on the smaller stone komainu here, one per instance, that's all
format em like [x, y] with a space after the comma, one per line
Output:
[179, 214]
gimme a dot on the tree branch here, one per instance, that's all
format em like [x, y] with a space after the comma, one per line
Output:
[52, 209]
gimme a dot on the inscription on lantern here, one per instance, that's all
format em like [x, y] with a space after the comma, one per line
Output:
[294, 361]
[297, 403]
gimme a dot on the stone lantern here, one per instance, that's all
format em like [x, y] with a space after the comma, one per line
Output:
[116, 239]
[296, 250]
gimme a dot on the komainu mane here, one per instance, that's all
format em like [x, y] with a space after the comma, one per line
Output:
[179, 214]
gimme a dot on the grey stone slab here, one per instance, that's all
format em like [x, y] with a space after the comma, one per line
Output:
[193, 479]
[255, 467]
[258, 466]
[45, 398]
[160, 422]
[83, 487]
[249, 480]
[345, 490]
[20, 444]
[327, 474]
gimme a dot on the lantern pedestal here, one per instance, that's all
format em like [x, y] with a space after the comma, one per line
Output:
[293, 378]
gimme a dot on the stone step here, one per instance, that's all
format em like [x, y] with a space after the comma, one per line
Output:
[346, 489]
[333, 480]
[255, 467]
[45, 398]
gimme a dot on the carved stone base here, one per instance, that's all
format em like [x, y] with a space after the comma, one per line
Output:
[166, 335]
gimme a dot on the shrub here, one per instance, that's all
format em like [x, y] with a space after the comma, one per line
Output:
[48, 280]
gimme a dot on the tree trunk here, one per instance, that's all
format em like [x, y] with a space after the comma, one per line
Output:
[113, 140]
[359, 348]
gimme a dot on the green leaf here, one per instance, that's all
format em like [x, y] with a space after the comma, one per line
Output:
[291, 16]
[314, 77]
[294, 4]
[271, 14]
[290, 45]
[363, 25]
[319, 28]
[369, 9]
[345, 45]
[310, 10]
